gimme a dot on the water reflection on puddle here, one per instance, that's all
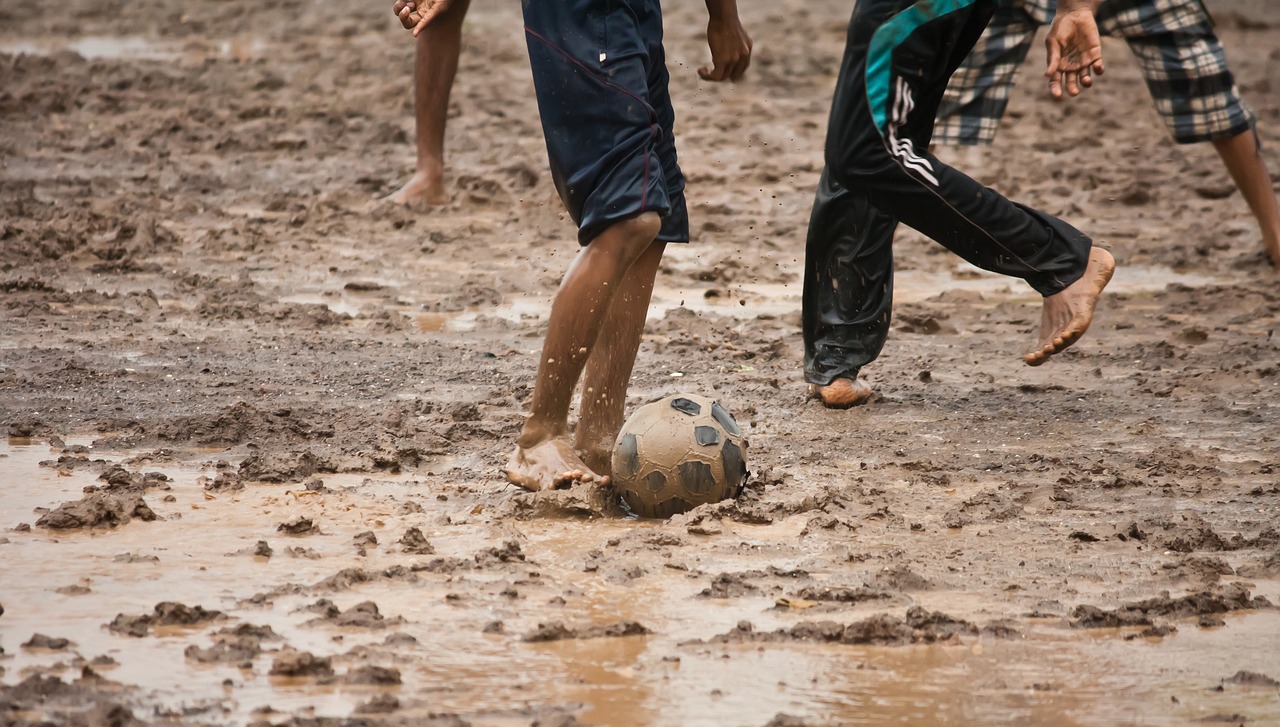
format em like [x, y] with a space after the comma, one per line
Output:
[106, 47]
[739, 300]
[1055, 676]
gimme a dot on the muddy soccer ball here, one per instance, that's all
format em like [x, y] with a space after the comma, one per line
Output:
[676, 453]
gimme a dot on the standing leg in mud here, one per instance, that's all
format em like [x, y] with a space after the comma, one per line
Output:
[544, 457]
[1242, 156]
[898, 57]
[604, 384]
[435, 63]
[848, 292]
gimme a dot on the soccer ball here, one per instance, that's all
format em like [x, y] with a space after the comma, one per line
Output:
[676, 453]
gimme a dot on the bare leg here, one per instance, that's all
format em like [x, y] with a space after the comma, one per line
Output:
[1067, 314]
[544, 457]
[842, 393]
[604, 384]
[435, 63]
[1244, 161]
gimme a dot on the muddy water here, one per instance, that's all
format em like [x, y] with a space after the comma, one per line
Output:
[737, 299]
[202, 545]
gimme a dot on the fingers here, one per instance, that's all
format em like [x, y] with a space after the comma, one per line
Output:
[406, 10]
[434, 9]
[732, 69]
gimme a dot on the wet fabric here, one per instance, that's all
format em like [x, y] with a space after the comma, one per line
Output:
[1182, 61]
[898, 57]
[599, 72]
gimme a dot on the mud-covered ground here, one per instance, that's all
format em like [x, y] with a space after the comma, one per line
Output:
[255, 418]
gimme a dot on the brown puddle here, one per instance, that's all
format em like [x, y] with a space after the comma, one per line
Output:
[742, 300]
[203, 546]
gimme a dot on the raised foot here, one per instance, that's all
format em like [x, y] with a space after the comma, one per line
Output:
[1272, 246]
[1066, 315]
[549, 465]
[422, 189]
[842, 393]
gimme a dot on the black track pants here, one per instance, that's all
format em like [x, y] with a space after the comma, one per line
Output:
[898, 57]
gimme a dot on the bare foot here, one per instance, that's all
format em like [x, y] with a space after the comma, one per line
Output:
[842, 393]
[1067, 314]
[421, 189]
[549, 465]
[597, 458]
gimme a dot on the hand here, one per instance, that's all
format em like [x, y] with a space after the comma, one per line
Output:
[416, 18]
[730, 50]
[1075, 52]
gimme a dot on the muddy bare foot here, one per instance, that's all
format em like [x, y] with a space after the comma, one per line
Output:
[842, 393]
[549, 465]
[1067, 314]
[422, 189]
[598, 458]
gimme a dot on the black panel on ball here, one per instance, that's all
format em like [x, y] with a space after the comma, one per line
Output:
[629, 450]
[686, 406]
[697, 478]
[735, 467]
[655, 481]
[723, 416]
[706, 435]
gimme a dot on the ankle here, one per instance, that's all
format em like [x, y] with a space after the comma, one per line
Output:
[536, 432]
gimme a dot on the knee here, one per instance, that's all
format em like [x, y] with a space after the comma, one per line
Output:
[641, 229]
[633, 235]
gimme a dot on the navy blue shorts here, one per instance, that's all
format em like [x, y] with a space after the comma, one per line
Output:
[599, 71]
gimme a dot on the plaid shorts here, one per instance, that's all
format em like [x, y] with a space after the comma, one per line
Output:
[1181, 57]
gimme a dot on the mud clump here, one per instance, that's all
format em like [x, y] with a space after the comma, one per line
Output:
[901, 578]
[41, 641]
[1141, 613]
[167, 613]
[364, 615]
[239, 645]
[97, 510]
[731, 585]
[298, 526]
[1251, 679]
[919, 626]
[416, 543]
[86, 701]
[841, 594]
[291, 663]
[279, 467]
[557, 631]
[510, 552]
[372, 675]
[119, 479]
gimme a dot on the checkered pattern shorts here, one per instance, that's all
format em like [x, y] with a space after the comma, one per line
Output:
[1181, 57]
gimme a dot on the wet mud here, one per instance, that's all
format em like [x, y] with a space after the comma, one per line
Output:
[255, 419]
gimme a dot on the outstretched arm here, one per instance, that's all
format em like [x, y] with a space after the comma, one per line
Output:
[1074, 50]
[417, 14]
[729, 42]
